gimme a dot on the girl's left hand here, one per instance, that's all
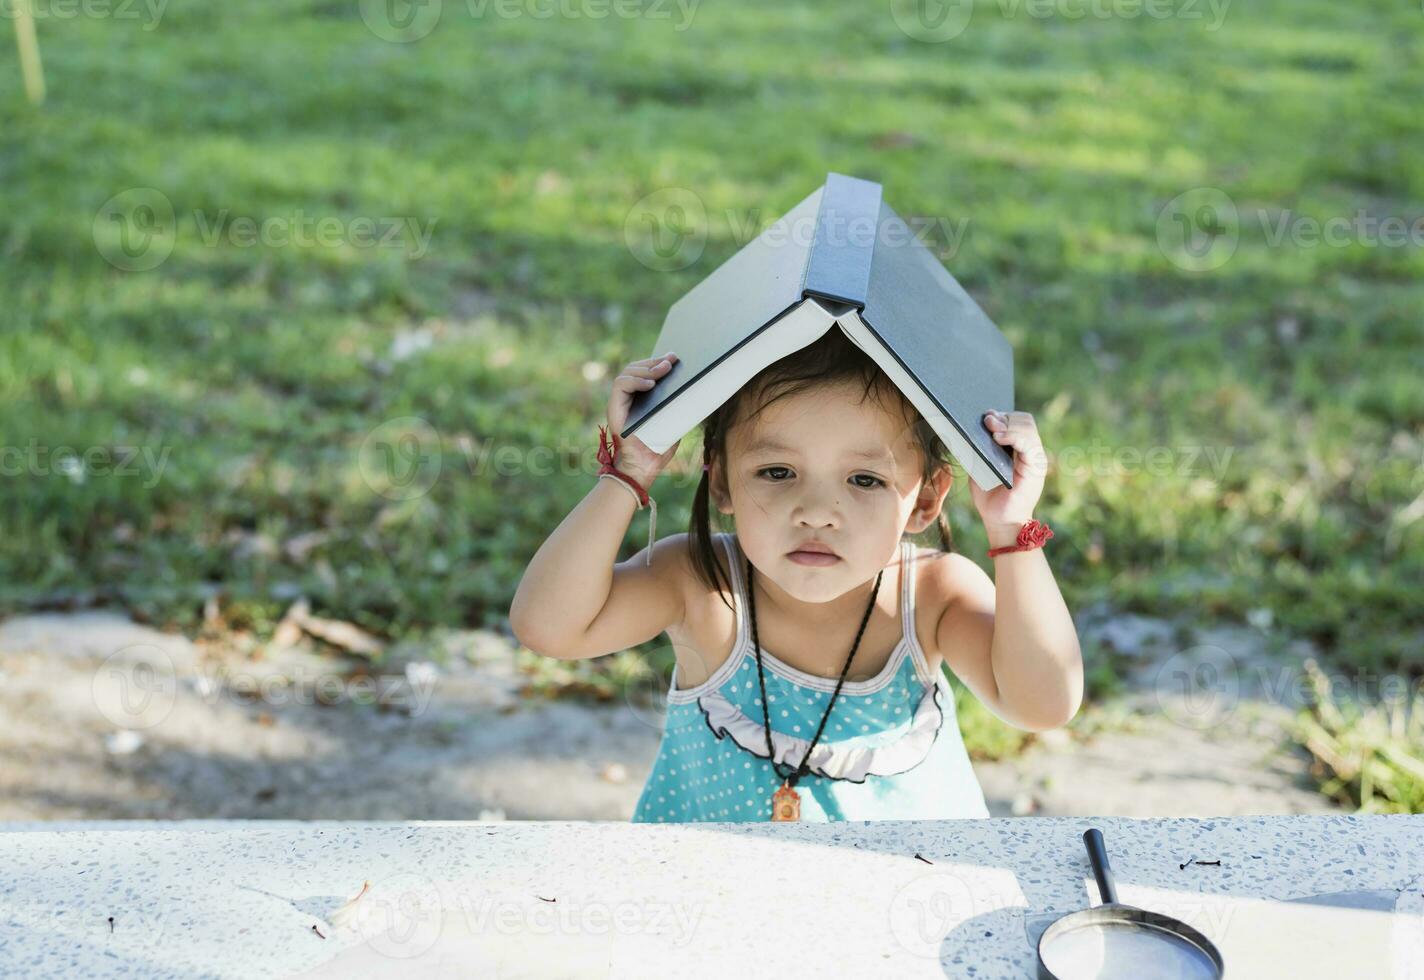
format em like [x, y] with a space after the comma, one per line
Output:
[1005, 509]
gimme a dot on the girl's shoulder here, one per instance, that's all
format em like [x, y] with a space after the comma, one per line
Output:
[707, 634]
[947, 581]
[948, 575]
[957, 597]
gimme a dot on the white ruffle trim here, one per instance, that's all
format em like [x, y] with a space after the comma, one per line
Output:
[833, 761]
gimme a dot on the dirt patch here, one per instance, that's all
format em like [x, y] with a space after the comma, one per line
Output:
[107, 719]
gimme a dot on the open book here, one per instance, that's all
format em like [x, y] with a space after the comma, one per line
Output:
[840, 258]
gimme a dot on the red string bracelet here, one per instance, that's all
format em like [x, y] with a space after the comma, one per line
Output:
[1032, 535]
[607, 450]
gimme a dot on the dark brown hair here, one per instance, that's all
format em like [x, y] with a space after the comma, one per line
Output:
[832, 360]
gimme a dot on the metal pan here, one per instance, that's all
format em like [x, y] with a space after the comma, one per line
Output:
[1115, 940]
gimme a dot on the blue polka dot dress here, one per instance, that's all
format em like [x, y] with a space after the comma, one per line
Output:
[891, 749]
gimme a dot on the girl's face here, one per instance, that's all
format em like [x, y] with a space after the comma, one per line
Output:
[824, 465]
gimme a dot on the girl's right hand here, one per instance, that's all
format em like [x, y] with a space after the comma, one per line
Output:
[634, 457]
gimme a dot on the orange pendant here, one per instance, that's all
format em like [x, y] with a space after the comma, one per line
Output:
[786, 803]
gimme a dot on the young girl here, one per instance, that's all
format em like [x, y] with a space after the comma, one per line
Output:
[809, 637]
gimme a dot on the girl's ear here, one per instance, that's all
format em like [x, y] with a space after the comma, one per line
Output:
[717, 487]
[930, 499]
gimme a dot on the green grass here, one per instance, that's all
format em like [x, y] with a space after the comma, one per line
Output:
[261, 371]
[1369, 757]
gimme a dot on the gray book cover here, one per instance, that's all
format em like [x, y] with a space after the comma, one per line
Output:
[841, 257]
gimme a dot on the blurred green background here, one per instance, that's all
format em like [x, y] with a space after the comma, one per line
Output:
[1117, 184]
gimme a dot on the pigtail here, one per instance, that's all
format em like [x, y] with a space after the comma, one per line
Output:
[703, 554]
[946, 534]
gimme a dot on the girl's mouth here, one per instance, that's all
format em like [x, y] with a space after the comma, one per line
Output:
[813, 558]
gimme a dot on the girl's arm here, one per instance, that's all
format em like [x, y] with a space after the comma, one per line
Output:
[1012, 640]
[575, 600]
[1038, 665]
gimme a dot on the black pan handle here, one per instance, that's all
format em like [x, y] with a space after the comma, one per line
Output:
[1098, 858]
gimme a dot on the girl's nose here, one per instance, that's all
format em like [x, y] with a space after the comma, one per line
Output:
[818, 508]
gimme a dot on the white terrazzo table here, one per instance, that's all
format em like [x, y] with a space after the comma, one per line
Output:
[555, 899]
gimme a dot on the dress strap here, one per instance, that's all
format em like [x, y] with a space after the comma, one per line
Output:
[907, 605]
[907, 588]
[739, 588]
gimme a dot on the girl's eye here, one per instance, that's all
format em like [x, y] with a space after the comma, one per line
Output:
[875, 481]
